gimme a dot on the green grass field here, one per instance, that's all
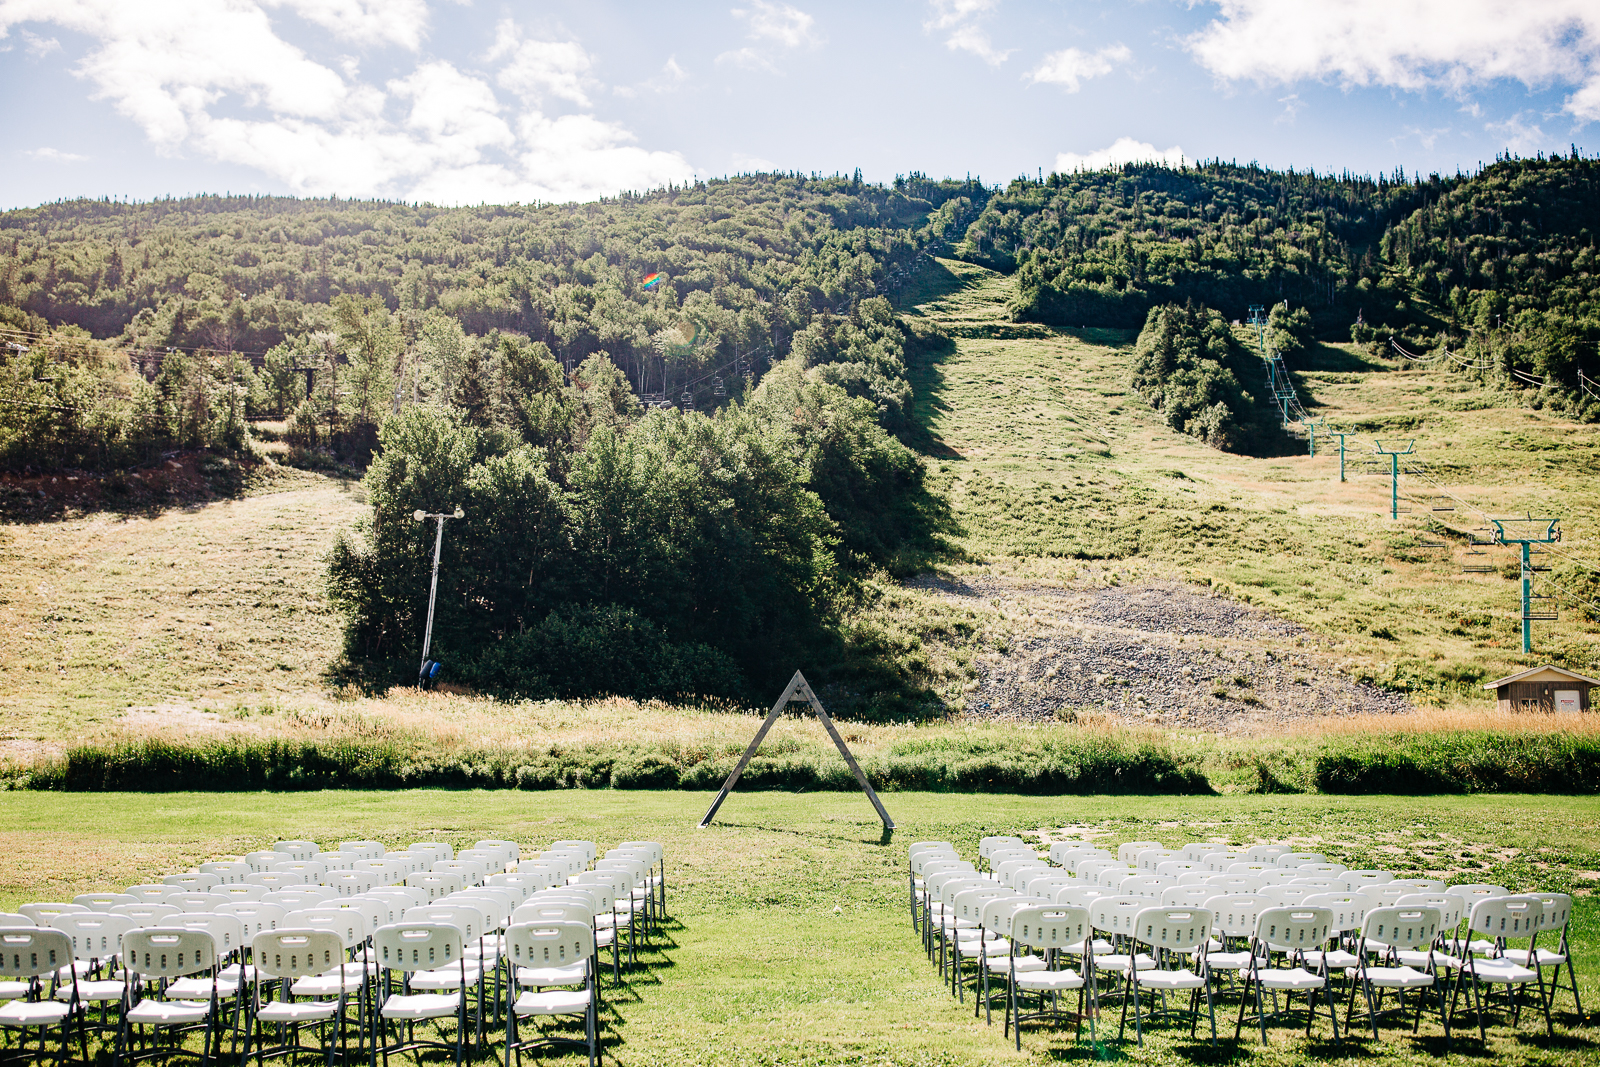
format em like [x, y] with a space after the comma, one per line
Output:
[790, 942]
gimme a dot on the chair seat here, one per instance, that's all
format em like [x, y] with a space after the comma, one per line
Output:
[230, 975]
[421, 1006]
[81, 967]
[1049, 981]
[1118, 961]
[1230, 961]
[169, 1012]
[198, 988]
[1179, 979]
[13, 990]
[446, 977]
[95, 992]
[299, 1011]
[1333, 958]
[1410, 957]
[1543, 958]
[1503, 972]
[327, 985]
[1024, 964]
[1398, 977]
[1101, 945]
[543, 976]
[553, 1002]
[1291, 978]
[37, 1013]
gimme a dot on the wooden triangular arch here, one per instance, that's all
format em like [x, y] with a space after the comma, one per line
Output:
[799, 689]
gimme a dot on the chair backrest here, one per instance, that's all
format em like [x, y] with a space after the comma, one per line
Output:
[1219, 862]
[1379, 895]
[513, 851]
[262, 861]
[988, 845]
[1175, 928]
[916, 848]
[1420, 885]
[1451, 908]
[1115, 915]
[1005, 855]
[1061, 850]
[41, 914]
[386, 870]
[1041, 883]
[1197, 852]
[1128, 852]
[637, 869]
[417, 946]
[471, 871]
[168, 951]
[1236, 883]
[151, 893]
[1409, 926]
[596, 898]
[586, 847]
[1321, 870]
[347, 924]
[1300, 859]
[437, 883]
[567, 861]
[969, 902]
[296, 953]
[1349, 909]
[370, 850]
[487, 914]
[313, 870]
[1089, 869]
[437, 849]
[948, 891]
[1112, 877]
[468, 920]
[521, 884]
[255, 916]
[924, 863]
[615, 885]
[1319, 885]
[1048, 926]
[1076, 858]
[995, 914]
[1256, 868]
[350, 883]
[1472, 892]
[1198, 876]
[277, 879]
[1175, 868]
[1280, 875]
[1234, 914]
[939, 879]
[337, 861]
[549, 944]
[146, 914]
[1266, 853]
[1294, 927]
[498, 902]
[195, 903]
[1007, 871]
[1150, 860]
[1146, 885]
[1080, 896]
[1557, 909]
[29, 950]
[1282, 895]
[95, 936]
[297, 850]
[1512, 917]
[104, 901]
[237, 891]
[228, 872]
[494, 860]
[300, 896]
[1194, 895]
[227, 931]
[194, 882]
[537, 911]
[373, 910]
[14, 918]
[1361, 879]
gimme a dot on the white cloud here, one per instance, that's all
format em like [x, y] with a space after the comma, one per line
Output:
[746, 59]
[788, 26]
[1521, 137]
[370, 22]
[54, 155]
[214, 78]
[671, 77]
[1410, 44]
[539, 68]
[1292, 106]
[1122, 150]
[752, 164]
[961, 17]
[39, 47]
[1427, 138]
[1071, 66]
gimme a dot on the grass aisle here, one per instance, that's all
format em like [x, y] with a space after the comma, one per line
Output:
[790, 941]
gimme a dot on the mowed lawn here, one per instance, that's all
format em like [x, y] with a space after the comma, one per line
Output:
[790, 941]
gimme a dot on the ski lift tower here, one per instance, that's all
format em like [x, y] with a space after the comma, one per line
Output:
[1531, 535]
[1394, 455]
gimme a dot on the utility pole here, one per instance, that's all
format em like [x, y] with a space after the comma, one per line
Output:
[1394, 455]
[1551, 534]
[429, 671]
[1341, 437]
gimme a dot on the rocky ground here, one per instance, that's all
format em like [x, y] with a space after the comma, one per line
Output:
[1162, 654]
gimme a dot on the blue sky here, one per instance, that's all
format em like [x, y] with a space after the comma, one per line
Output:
[476, 100]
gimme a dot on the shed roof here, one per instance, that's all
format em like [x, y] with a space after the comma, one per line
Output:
[1548, 673]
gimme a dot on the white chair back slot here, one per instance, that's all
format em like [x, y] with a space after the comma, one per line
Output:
[152, 893]
[1235, 914]
[196, 903]
[1294, 928]
[1300, 859]
[1050, 926]
[256, 916]
[296, 953]
[228, 872]
[1409, 926]
[549, 944]
[26, 951]
[104, 902]
[1128, 854]
[417, 946]
[437, 883]
[1180, 895]
[93, 936]
[1349, 909]
[196, 882]
[1176, 929]
[41, 914]
[168, 951]
[146, 914]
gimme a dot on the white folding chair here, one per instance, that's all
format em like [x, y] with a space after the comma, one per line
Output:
[437, 849]
[104, 902]
[297, 850]
[370, 850]
[1233, 916]
[512, 851]
[988, 845]
[1398, 928]
[42, 913]
[1150, 860]
[1170, 933]
[1266, 853]
[167, 955]
[1197, 852]
[587, 848]
[261, 862]
[412, 948]
[1300, 859]
[1349, 912]
[1052, 930]
[658, 853]
[1557, 921]
[1113, 916]
[1128, 852]
[96, 948]
[1497, 921]
[468, 969]
[148, 893]
[471, 872]
[195, 882]
[255, 916]
[1193, 895]
[1291, 931]
[146, 915]
[228, 872]
[437, 883]
[295, 956]
[30, 953]
[540, 947]
[237, 891]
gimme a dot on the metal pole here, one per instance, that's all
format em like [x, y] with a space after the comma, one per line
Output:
[1394, 485]
[1341, 457]
[433, 591]
[1527, 583]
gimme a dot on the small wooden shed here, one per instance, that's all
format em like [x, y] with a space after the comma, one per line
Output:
[1547, 688]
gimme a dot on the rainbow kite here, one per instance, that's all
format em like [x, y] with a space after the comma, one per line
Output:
[651, 279]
